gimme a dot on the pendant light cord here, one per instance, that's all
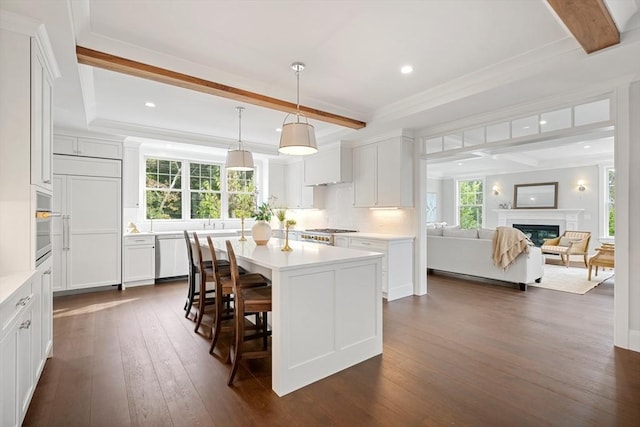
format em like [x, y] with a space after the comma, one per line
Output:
[298, 95]
[240, 127]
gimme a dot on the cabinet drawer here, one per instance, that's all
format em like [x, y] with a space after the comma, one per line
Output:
[373, 246]
[369, 245]
[140, 240]
[15, 304]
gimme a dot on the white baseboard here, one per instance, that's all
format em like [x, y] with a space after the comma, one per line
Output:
[634, 340]
[399, 292]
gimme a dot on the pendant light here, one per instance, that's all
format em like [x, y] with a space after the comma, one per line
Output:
[239, 159]
[297, 138]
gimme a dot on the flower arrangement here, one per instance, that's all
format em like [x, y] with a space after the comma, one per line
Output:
[263, 213]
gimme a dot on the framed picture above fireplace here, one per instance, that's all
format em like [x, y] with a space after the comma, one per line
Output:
[536, 196]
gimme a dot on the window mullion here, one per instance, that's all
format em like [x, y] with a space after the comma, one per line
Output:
[186, 190]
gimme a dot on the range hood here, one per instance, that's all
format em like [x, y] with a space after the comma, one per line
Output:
[330, 165]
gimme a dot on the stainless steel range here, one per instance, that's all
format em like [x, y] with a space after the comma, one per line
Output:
[322, 235]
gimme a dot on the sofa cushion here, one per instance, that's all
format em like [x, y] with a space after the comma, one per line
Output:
[486, 233]
[434, 231]
[466, 233]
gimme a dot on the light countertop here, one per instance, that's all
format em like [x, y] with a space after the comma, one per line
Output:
[304, 253]
[223, 232]
[11, 282]
[377, 236]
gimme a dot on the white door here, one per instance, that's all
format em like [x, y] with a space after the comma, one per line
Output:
[94, 239]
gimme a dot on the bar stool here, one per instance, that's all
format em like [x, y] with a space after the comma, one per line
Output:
[194, 269]
[224, 293]
[247, 301]
[206, 275]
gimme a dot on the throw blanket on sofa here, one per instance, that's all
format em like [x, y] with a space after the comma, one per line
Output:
[508, 243]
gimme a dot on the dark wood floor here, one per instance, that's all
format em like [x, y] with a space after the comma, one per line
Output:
[466, 354]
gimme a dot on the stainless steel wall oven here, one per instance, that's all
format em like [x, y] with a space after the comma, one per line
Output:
[43, 226]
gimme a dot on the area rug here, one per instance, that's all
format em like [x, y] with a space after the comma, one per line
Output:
[571, 279]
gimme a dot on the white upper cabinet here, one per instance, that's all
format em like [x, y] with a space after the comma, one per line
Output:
[298, 196]
[383, 174]
[87, 147]
[41, 123]
[328, 166]
[365, 161]
[131, 177]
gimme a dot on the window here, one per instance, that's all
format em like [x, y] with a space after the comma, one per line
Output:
[208, 193]
[241, 194]
[611, 203]
[163, 189]
[204, 190]
[470, 203]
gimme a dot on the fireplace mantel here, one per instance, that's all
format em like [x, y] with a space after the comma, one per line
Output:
[567, 219]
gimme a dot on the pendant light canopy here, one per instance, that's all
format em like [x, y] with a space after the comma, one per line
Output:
[239, 159]
[297, 138]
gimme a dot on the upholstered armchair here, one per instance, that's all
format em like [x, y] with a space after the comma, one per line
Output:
[570, 243]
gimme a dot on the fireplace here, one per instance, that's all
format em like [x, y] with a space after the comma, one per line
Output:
[537, 232]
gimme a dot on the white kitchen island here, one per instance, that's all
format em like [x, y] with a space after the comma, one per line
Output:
[327, 307]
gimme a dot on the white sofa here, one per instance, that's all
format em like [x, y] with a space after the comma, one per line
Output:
[473, 257]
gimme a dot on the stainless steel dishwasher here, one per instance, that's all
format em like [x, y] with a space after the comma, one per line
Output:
[171, 255]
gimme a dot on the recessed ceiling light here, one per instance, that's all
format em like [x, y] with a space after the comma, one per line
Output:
[278, 129]
[587, 146]
[406, 69]
[460, 164]
[526, 127]
[543, 122]
[149, 104]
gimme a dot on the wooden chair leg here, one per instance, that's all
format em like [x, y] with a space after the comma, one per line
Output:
[585, 261]
[238, 338]
[589, 276]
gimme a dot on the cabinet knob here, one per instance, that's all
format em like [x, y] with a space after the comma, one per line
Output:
[25, 325]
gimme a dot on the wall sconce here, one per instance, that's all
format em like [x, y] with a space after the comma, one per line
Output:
[496, 190]
[581, 186]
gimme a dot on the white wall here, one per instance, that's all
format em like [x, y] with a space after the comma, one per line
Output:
[568, 195]
[339, 212]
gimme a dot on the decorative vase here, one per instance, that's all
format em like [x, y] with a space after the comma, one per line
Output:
[261, 232]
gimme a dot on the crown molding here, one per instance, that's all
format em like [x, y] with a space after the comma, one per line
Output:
[142, 131]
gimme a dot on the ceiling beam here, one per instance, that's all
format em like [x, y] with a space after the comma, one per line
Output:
[589, 21]
[110, 62]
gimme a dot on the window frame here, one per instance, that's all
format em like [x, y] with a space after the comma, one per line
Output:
[192, 190]
[605, 203]
[459, 204]
[186, 186]
[146, 189]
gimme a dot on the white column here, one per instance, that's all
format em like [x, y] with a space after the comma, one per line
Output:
[627, 239]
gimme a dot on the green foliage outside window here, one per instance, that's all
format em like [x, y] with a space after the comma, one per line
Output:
[163, 194]
[241, 190]
[470, 203]
[612, 201]
[204, 180]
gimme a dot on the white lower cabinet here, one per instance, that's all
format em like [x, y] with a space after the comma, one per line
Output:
[397, 263]
[25, 341]
[139, 260]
